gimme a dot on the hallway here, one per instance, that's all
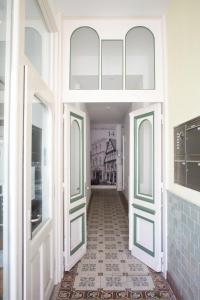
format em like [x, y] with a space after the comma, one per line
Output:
[108, 271]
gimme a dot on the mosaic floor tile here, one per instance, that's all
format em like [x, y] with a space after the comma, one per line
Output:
[140, 283]
[135, 268]
[87, 282]
[108, 270]
[88, 268]
[113, 282]
[113, 268]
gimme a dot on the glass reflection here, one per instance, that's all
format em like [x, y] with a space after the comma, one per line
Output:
[112, 65]
[37, 38]
[140, 59]
[84, 64]
[40, 165]
[145, 152]
[75, 163]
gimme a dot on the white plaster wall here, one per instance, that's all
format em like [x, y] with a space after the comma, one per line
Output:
[183, 50]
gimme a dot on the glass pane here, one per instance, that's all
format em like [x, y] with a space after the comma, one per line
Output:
[112, 65]
[40, 163]
[140, 59]
[37, 39]
[75, 159]
[145, 153]
[84, 66]
[33, 47]
[5, 35]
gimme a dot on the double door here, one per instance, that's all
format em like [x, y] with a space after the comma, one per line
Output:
[145, 201]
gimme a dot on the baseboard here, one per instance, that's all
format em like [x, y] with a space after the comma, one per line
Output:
[123, 195]
[173, 286]
[89, 202]
[123, 200]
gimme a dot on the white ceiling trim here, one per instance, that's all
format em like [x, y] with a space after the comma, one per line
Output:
[112, 8]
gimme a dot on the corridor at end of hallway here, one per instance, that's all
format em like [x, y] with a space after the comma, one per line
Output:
[108, 270]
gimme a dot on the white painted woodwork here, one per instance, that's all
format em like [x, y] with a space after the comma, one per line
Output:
[111, 29]
[76, 233]
[35, 277]
[145, 233]
[112, 8]
[145, 238]
[38, 248]
[74, 220]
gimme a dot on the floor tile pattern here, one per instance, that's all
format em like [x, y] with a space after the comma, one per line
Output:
[108, 270]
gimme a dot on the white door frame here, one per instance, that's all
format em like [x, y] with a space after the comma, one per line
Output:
[59, 257]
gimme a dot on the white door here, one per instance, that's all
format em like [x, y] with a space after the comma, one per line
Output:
[145, 186]
[74, 186]
[38, 187]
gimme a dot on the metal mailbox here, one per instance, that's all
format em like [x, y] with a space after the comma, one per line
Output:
[187, 154]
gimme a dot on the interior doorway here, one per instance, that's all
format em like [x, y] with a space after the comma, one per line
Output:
[139, 186]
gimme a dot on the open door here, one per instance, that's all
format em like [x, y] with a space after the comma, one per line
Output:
[74, 186]
[145, 186]
[38, 247]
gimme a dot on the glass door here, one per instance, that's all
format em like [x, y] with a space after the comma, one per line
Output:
[38, 187]
[40, 164]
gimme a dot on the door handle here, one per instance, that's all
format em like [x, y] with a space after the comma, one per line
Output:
[35, 220]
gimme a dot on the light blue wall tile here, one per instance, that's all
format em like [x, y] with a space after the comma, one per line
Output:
[184, 247]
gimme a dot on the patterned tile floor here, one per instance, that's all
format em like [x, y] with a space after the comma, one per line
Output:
[108, 270]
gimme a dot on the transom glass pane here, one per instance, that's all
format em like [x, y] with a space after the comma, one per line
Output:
[140, 59]
[145, 167]
[84, 65]
[112, 65]
[37, 39]
[40, 163]
[75, 159]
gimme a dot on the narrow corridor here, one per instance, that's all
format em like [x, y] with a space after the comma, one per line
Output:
[108, 270]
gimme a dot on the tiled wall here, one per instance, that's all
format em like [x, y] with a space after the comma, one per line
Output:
[184, 247]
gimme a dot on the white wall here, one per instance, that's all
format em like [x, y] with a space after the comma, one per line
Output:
[183, 51]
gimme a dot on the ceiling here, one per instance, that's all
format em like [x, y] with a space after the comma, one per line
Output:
[108, 113]
[111, 8]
